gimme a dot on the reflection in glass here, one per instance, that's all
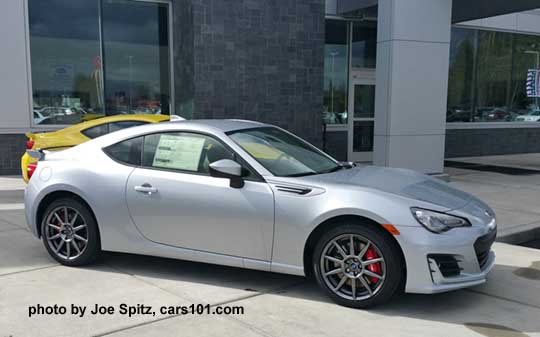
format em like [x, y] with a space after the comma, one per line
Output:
[65, 65]
[136, 52]
[494, 64]
[487, 77]
[335, 72]
[526, 56]
[364, 44]
[460, 79]
[66, 43]
[364, 101]
[363, 136]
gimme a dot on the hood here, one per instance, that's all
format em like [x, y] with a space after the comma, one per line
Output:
[402, 182]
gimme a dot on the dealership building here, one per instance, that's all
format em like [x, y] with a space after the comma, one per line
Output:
[401, 83]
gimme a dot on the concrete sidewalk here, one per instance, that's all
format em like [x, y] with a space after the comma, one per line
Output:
[274, 304]
[11, 183]
[515, 199]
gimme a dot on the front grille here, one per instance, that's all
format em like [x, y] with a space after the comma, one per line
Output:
[482, 247]
[448, 264]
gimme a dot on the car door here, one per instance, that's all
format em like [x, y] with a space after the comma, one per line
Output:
[173, 200]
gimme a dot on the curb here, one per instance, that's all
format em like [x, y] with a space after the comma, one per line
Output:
[441, 176]
[520, 234]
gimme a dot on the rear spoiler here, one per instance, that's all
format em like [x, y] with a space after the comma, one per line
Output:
[37, 154]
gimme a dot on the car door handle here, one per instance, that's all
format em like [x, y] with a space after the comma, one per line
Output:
[145, 188]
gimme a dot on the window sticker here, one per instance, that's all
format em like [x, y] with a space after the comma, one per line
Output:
[179, 152]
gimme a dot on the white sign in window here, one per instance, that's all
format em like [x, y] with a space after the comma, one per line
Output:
[179, 152]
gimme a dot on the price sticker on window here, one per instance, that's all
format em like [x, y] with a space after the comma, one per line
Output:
[179, 152]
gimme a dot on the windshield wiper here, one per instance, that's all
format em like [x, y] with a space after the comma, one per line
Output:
[302, 174]
[333, 169]
[337, 168]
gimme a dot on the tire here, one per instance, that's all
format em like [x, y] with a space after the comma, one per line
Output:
[353, 292]
[65, 241]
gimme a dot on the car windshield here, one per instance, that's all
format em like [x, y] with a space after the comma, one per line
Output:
[283, 154]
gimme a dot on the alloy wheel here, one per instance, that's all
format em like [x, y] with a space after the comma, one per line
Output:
[353, 267]
[66, 232]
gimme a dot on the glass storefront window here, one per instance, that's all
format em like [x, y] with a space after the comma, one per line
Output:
[136, 54]
[460, 77]
[336, 64]
[64, 43]
[364, 101]
[71, 81]
[493, 67]
[364, 44]
[363, 136]
[487, 76]
[526, 56]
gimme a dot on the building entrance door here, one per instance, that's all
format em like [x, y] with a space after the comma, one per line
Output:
[362, 116]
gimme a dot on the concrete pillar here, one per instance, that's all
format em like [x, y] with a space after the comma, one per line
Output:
[413, 43]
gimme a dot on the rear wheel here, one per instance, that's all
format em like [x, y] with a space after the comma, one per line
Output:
[357, 266]
[69, 232]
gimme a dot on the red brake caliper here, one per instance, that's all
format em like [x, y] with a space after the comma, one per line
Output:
[376, 267]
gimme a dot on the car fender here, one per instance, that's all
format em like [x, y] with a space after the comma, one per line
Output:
[34, 196]
[347, 211]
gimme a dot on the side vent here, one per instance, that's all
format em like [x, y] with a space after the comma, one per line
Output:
[293, 190]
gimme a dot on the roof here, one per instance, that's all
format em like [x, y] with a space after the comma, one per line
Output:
[225, 125]
[214, 126]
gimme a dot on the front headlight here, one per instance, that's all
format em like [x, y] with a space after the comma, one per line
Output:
[437, 222]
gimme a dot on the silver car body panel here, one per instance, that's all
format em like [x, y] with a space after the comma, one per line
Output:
[264, 225]
[202, 212]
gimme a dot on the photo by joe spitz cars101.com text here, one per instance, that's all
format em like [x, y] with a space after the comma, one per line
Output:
[251, 195]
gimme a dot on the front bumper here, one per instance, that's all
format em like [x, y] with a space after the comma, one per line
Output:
[470, 248]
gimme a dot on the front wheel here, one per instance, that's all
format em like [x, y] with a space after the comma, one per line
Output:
[70, 233]
[357, 266]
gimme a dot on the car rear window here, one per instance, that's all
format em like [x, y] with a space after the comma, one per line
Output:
[127, 152]
[124, 125]
[96, 131]
[103, 129]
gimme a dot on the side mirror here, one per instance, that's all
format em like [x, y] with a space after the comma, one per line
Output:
[347, 164]
[226, 168]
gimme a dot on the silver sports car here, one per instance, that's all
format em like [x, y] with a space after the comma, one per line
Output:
[251, 195]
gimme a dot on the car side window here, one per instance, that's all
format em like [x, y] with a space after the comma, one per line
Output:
[127, 151]
[96, 131]
[183, 151]
[115, 126]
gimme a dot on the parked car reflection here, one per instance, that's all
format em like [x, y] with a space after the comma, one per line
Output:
[532, 116]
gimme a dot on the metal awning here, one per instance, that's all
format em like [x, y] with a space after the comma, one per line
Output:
[462, 10]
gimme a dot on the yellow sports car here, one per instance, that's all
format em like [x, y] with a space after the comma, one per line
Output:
[80, 133]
